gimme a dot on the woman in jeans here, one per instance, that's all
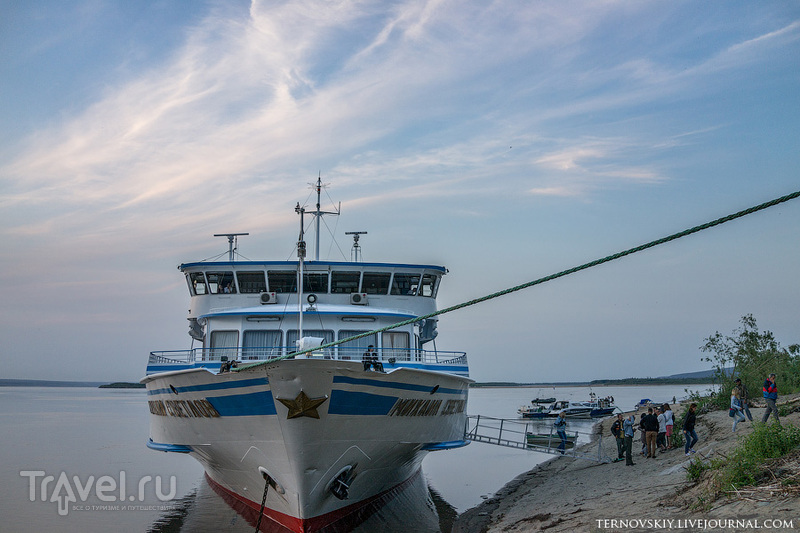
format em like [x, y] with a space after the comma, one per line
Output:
[736, 408]
[688, 430]
[561, 428]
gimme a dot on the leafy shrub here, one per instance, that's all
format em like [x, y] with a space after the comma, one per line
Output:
[745, 466]
[695, 469]
[751, 355]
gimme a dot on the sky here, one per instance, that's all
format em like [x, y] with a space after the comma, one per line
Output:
[505, 140]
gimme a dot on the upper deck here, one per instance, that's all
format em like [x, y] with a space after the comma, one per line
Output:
[216, 286]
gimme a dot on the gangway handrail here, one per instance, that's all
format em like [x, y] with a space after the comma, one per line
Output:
[506, 432]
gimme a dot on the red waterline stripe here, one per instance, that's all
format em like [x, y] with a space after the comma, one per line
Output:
[339, 521]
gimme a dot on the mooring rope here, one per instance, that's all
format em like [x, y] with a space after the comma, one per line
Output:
[551, 277]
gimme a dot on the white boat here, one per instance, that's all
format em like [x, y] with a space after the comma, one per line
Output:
[274, 409]
[535, 411]
[572, 409]
[600, 407]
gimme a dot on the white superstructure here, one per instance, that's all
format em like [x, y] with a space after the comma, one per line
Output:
[329, 435]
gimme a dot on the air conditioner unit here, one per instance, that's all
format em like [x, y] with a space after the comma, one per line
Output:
[269, 298]
[358, 298]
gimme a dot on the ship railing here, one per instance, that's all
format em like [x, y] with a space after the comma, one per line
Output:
[174, 357]
[345, 353]
[403, 355]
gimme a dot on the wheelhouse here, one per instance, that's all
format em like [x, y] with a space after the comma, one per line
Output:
[377, 279]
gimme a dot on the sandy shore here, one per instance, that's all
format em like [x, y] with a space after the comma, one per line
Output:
[567, 494]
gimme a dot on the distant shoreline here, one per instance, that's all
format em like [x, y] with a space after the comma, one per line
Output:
[48, 383]
[630, 382]
[476, 385]
[123, 385]
[70, 384]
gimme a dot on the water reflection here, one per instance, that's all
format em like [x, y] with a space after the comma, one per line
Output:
[417, 508]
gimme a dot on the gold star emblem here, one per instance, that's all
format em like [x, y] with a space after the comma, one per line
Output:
[303, 406]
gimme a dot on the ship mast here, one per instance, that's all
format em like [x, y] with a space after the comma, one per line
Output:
[301, 255]
[318, 186]
[301, 249]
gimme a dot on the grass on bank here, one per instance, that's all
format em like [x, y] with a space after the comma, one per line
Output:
[748, 464]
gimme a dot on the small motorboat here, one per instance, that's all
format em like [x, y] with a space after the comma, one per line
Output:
[543, 400]
[644, 403]
[602, 406]
[572, 409]
[549, 440]
[531, 411]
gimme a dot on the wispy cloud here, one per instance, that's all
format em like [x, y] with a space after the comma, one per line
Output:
[790, 32]
[562, 191]
[250, 102]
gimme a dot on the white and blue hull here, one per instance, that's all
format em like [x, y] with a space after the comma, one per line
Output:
[372, 432]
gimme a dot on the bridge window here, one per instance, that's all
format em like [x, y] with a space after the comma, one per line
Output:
[198, 282]
[261, 343]
[395, 344]
[221, 282]
[282, 280]
[376, 283]
[429, 285]
[405, 284]
[345, 282]
[356, 348]
[315, 282]
[251, 282]
[327, 334]
[224, 343]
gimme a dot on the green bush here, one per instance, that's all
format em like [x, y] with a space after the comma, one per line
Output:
[751, 355]
[695, 469]
[745, 466]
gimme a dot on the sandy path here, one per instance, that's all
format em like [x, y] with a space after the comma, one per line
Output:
[566, 494]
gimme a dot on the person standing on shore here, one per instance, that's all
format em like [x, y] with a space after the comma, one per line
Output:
[688, 430]
[661, 438]
[644, 435]
[670, 421]
[561, 428]
[736, 408]
[628, 427]
[771, 396]
[650, 423]
[616, 430]
[744, 397]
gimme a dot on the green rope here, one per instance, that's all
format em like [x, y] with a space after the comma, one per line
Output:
[551, 277]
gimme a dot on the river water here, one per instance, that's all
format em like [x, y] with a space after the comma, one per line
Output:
[91, 442]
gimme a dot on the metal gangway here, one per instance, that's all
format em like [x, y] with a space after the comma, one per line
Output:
[521, 434]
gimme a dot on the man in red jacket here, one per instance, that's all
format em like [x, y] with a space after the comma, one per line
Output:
[771, 396]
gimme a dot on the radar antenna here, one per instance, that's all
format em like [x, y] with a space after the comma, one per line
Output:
[356, 247]
[233, 243]
[317, 213]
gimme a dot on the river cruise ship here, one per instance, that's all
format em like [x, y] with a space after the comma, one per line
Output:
[312, 389]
